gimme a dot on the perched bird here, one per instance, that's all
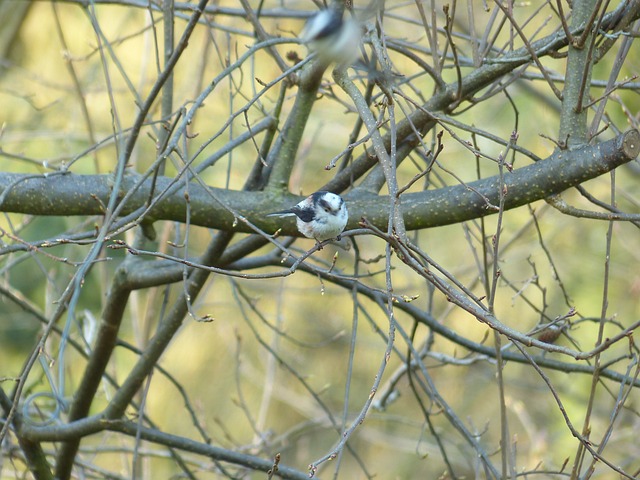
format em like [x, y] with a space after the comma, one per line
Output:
[331, 37]
[322, 216]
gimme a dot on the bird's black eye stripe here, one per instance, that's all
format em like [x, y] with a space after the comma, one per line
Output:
[325, 205]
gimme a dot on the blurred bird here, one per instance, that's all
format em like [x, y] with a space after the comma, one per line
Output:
[332, 38]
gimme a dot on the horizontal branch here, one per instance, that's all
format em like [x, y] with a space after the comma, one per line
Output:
[69, 194]
[97, 424]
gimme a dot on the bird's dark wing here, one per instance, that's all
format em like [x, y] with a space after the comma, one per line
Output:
[304, 214]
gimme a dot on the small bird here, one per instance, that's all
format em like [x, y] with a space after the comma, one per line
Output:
[322, 216]
[331, 37]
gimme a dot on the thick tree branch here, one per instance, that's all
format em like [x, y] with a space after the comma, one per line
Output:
[70, 194]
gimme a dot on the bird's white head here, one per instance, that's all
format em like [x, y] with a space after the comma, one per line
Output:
[331, 37]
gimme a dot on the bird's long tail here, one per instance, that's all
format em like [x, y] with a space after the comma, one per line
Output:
[283, 213]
